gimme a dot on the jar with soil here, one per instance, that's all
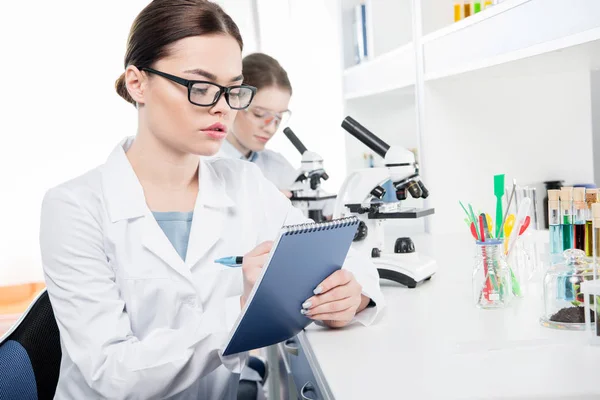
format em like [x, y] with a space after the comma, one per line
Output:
[563, 297]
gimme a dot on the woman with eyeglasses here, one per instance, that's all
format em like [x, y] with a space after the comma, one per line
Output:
[255, 126]
[128, 248]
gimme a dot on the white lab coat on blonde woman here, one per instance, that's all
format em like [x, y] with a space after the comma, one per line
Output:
[275, 167]
[136, 321]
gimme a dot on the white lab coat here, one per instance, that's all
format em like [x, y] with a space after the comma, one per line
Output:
[136, 321]
[275, 167]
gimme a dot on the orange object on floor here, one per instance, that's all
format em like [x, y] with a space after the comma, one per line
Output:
[16, 298]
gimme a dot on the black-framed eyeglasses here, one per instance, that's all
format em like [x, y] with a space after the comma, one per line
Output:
[207, 94]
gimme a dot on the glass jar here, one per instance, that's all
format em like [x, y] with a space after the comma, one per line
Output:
[492, 286]
[563, 298]
[522, 264]
[591, 291]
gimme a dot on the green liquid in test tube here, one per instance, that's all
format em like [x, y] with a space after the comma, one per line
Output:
[476, 7]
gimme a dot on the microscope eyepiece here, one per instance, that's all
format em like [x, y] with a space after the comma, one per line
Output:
[294, 139]
[367, 137]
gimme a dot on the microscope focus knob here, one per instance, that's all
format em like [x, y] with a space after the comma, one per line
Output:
[404, 245]
[378, 192]
[361, 232]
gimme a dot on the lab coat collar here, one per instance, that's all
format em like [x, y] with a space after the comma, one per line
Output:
[125, 196]
[125, 200]
[122, 190]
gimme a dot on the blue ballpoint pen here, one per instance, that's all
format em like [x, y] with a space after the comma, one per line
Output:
[231, 261]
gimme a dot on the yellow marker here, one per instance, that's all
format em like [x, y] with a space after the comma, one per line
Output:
[508, 227]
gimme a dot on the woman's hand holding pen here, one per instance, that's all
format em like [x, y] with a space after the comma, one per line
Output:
[337, 300]
[252, 266]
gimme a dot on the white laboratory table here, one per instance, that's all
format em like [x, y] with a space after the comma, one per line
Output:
[433, 343]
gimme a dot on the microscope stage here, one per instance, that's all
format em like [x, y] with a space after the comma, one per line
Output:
[409, 213]
[313, 198]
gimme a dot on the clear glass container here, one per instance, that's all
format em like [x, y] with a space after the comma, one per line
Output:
[521, 265]
[492, 287]
[591, 290]
[563, 298]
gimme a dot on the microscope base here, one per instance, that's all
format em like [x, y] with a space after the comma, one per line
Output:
[407, 269]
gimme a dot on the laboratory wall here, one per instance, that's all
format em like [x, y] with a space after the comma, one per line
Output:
[304, 36]
[541, 131]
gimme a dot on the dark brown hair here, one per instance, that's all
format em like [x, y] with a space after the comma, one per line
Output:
[262, 71]
[162, 23]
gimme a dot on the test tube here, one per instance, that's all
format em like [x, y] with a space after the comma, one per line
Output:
[554, 221]
[566, 205]
[591, 197]
[579, 217]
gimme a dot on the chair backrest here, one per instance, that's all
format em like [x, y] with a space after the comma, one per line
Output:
[31, 349]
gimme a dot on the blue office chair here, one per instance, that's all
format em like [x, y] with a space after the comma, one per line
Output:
[251, 389]
[30, 357]
[30, 354]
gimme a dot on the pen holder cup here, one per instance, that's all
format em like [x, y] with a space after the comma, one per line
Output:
[492, 283]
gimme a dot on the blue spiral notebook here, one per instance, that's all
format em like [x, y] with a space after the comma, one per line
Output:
[301, 258]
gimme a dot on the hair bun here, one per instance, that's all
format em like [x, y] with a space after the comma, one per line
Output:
[121, 89]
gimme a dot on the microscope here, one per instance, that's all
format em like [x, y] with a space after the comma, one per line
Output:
[362, 194]
[307, 193]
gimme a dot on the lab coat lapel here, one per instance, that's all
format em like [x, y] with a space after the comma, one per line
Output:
[125, 200]
[155, 240]
[210, 214]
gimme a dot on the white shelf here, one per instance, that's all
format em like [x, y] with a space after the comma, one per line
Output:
[391, 71]
[519, 70]
[505, 33]
[473, 19]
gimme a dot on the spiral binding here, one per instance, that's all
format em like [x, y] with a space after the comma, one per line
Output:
[320, 226]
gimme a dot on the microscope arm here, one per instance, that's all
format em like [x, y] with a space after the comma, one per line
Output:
[358, 187]
[339, 201]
